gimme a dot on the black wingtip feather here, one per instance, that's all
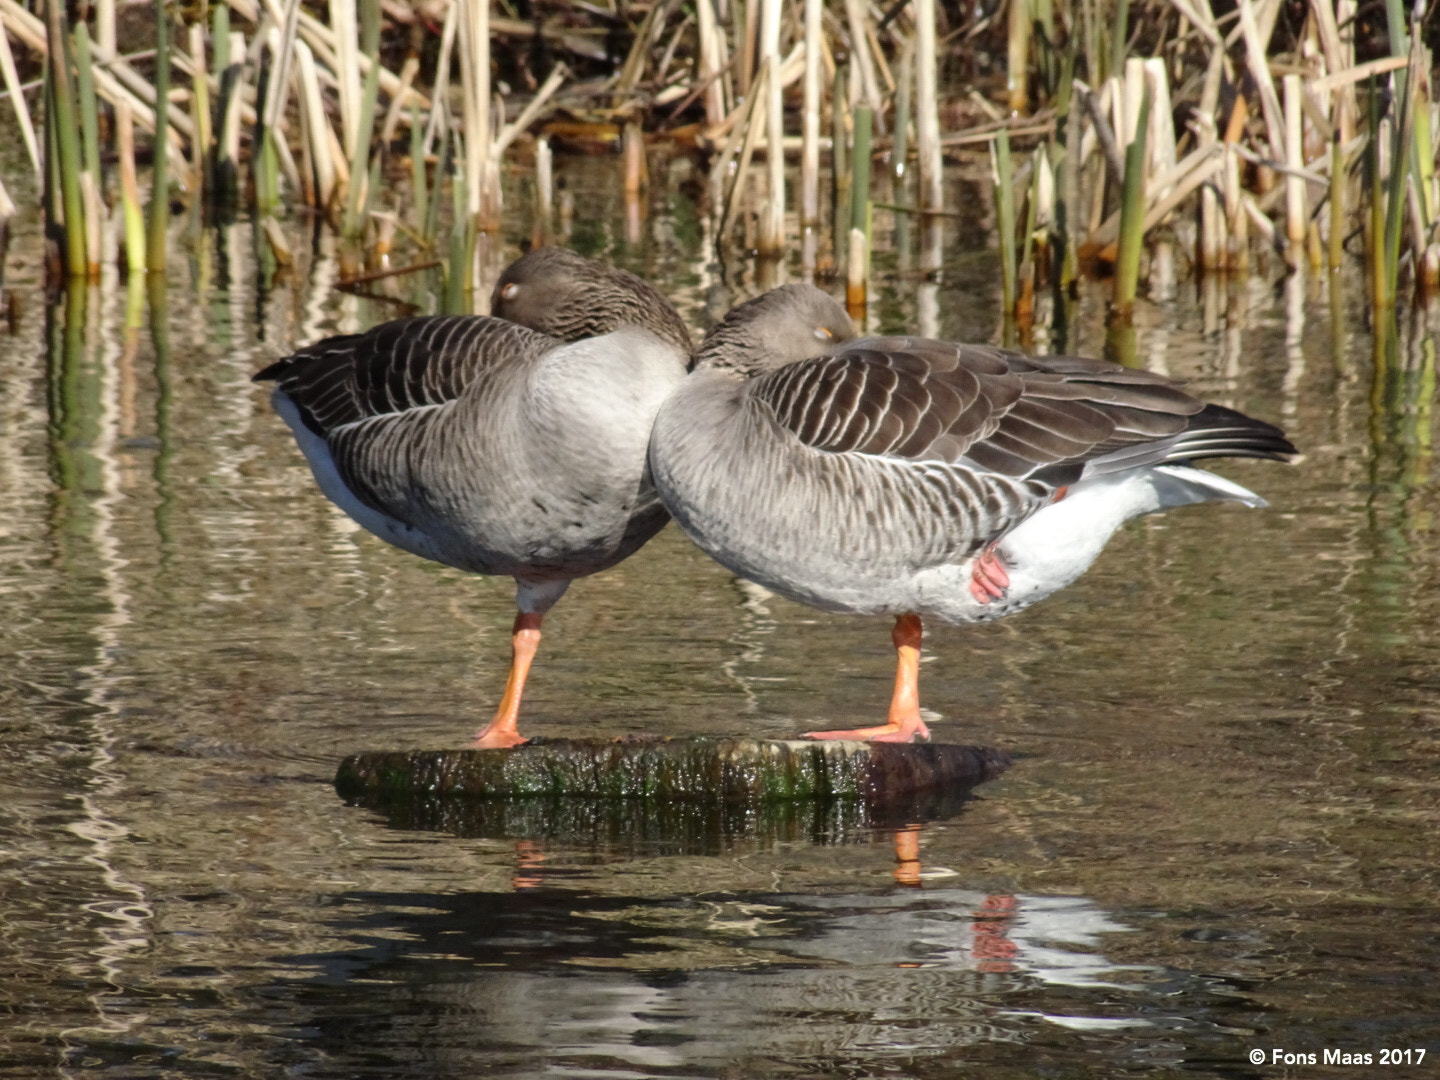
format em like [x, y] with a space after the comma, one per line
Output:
[1216, 431]
[272, 371]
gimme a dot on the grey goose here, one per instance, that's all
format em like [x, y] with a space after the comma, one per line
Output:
[509, 444]
[921, 478]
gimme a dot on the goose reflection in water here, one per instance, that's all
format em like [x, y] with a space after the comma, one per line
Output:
[692, 983]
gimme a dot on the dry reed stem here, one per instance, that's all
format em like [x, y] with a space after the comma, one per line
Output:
[532, 110]
[810, 127]
[772, 219]
[17, 100]
[927, 108]
[317, 125]
[712, 45]
[1259, 66]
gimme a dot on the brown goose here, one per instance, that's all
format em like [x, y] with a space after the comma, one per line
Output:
[914, 478]
[512, 444]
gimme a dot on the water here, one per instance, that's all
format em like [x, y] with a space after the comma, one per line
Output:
[1220, 834]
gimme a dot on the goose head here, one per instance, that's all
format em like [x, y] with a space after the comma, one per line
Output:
[782, 326]
[557, 292]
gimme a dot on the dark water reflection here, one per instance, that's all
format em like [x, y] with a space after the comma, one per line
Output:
[1220, 833]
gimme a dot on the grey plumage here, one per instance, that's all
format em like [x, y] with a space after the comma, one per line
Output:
[866, 475]
[497, 447]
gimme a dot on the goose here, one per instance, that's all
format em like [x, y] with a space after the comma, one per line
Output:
[509, 444]
[922, 479]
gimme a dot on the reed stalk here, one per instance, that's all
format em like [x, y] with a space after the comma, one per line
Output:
[359, 193]
[317, 126]
[1296, 218]
[134, 216]
[460, 261]
[839, 166]
[90, 179]
[159, 224]
[1005, 217]
[199, 108]
[436, 126]
[264, 164]
[52, 200]
[1337, 203]
[444, 168]
[396, 109]
[1119, 38]
[857, 251]
[772, 218]
[864, 82]
[419, 180]
[1068, 136]
[226, 186]
[344, 25]
[927, 108]
[810, 126]
[752, 131]
[747, 25]
[1376, 231]
[860, 172]
[637, 176]
[482, 176]
[1017, 72]
[67, 143]
[710, 63]
[105, 26]
[17, 101]
[1132, 216]
[904, 92]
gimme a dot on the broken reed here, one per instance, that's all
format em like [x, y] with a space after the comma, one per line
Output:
[261, 98]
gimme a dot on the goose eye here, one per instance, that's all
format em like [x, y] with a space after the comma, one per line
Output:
[822, 334]
[509, 292]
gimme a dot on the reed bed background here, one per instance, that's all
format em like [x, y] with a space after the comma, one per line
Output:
[1122, 135]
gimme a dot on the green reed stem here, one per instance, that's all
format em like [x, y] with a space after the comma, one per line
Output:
[1120, 39]
[860, 170]
[67, 141]
[1337, 203]
[160, 186]
[1378, 277]
[89, 114]
[370, 42]
[1005, 215]
[1132, 215]
[417, 170]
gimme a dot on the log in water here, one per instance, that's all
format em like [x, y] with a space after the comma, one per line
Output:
[723, 770]
[704, 789]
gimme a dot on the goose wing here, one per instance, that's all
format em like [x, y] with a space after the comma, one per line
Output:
[377, 402]
[397, 367]
[1047, 419]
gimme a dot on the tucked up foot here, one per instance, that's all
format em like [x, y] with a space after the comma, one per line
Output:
[503, 731]
[988, 578]
[903, 724]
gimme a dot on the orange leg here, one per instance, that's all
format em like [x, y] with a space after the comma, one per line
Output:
[503, 730]
[907, 856]
[904, 723]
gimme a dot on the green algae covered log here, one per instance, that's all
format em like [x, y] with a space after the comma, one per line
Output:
[691, 796]
[752, 771]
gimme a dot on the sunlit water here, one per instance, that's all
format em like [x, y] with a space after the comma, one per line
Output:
[1220, 834]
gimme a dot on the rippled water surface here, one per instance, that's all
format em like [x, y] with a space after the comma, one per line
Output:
[1220, 833]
